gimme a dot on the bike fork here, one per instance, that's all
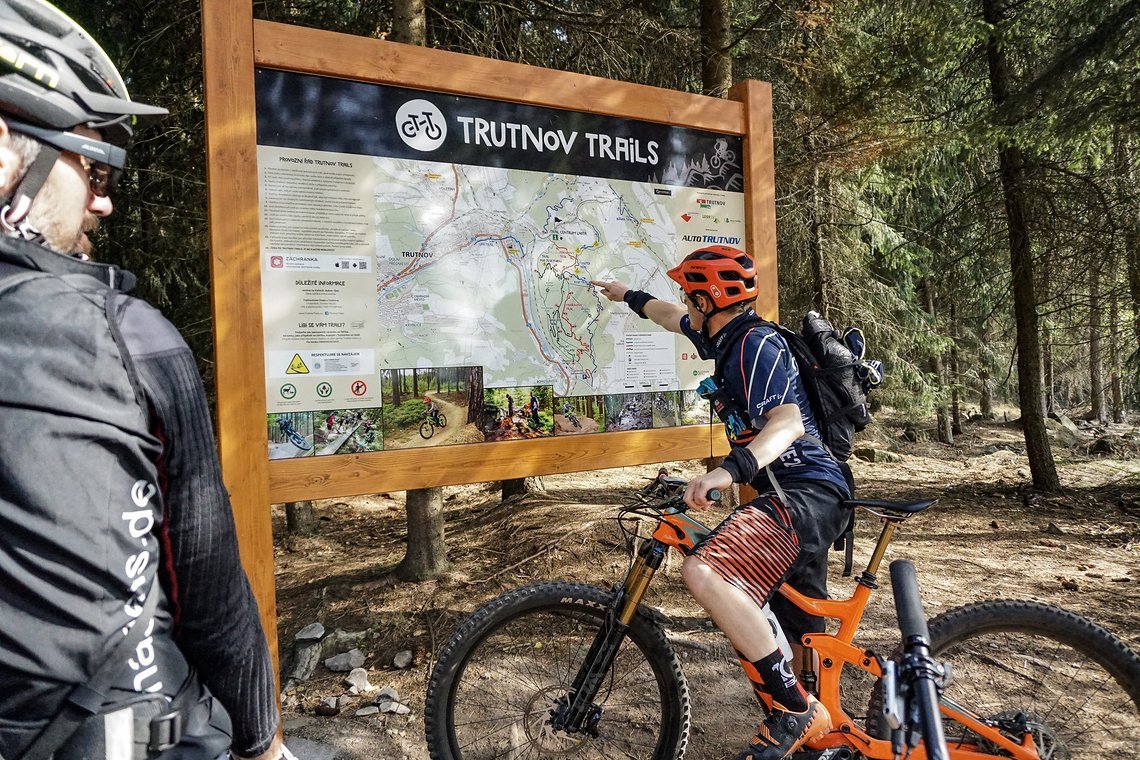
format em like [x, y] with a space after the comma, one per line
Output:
[577, 712]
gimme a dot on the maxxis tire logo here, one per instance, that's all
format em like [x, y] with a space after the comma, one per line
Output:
[421, 125]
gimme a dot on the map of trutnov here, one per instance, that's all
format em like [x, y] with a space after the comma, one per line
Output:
[491, 267]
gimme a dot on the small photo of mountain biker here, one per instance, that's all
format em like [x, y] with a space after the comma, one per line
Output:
[431, 409]
[128, 628]
[786, 532]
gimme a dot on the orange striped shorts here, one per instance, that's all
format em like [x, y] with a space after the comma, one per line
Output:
[754, 548]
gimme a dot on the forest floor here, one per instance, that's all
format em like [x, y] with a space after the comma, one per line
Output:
[990, 537]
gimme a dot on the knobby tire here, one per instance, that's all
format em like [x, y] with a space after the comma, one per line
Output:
[1077, 684]
[498, 677]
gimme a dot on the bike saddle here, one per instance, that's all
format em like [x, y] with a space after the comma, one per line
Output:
[902, 507]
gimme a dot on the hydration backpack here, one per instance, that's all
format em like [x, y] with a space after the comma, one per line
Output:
[836, 378]
[833, 371]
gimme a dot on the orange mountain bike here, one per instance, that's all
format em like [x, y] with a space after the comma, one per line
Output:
[566, 670]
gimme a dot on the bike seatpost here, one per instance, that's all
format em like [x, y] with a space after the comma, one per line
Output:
[916, 648]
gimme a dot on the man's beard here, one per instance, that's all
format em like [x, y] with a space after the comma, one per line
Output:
[81, 247]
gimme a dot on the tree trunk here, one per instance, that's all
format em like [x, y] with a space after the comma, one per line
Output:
[1048, 376]
[1096, 356]
[299, 519]
[521, 486]
[955, 376]
[822, 297]
[397, 395]
[942, 412]
[1117, 368]
[475, 395]
[986, 395]
[426, 555]
[1041, 464]
[409, 22]
[716, 37]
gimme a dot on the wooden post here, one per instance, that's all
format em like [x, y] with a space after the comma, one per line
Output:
[231, 182]
[760, 191]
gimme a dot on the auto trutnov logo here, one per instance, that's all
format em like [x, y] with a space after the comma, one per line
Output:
[421, 125]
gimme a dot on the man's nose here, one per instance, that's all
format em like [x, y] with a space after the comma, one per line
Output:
[99, 205]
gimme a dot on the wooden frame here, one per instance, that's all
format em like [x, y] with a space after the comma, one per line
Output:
[234, 44]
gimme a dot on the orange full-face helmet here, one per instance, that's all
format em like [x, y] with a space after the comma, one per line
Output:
[725, 275]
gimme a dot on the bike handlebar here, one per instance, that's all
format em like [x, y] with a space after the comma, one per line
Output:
[919, 666]
[908, 603]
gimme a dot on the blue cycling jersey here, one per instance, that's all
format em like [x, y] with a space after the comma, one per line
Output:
[759, 370]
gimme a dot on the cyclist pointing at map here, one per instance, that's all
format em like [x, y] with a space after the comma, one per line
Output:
[786, 532]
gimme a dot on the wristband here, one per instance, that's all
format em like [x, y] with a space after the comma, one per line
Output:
[636, 300]
[741, 464]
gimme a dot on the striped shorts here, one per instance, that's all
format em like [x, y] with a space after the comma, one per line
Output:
[754, 548]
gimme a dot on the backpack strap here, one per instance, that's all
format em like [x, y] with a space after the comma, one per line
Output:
[86, 700]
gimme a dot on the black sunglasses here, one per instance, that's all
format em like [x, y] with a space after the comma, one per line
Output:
[102, 161]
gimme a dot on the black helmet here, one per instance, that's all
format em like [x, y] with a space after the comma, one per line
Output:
[53, 75]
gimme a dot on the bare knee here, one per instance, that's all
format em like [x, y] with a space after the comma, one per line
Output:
[699, 577]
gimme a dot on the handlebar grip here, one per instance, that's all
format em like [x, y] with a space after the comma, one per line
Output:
[908, 603]
[713, 494]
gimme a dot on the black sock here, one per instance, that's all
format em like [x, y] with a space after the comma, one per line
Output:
[781, 683]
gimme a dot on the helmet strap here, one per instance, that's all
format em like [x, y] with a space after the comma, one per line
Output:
[14, 215]
[704, 314]
[707, 315]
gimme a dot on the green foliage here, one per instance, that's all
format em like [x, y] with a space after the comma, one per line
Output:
[887, 136]
[407, 414]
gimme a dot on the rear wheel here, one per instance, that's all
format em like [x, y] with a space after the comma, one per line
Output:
[510, 664]
[1034, 668]
[441, 420]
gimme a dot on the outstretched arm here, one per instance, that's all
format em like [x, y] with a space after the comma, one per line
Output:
[667, 315]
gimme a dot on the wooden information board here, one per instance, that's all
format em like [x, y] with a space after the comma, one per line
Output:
[302, 122]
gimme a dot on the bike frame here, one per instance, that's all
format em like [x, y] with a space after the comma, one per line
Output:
[681, 532]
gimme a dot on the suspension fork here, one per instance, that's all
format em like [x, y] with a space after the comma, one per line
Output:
[576, 712]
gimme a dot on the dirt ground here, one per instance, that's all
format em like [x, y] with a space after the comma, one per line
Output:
[990, 537]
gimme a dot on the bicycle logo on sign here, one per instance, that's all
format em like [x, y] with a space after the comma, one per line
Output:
[422, 122]
[421, 125]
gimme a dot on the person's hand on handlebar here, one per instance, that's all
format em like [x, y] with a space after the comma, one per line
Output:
[696, 494]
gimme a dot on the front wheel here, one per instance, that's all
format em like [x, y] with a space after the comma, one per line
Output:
[426, 429]
[1035, 669]
[509, 665]
[299, 441]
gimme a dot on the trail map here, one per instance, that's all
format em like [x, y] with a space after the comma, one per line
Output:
[490, 266]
